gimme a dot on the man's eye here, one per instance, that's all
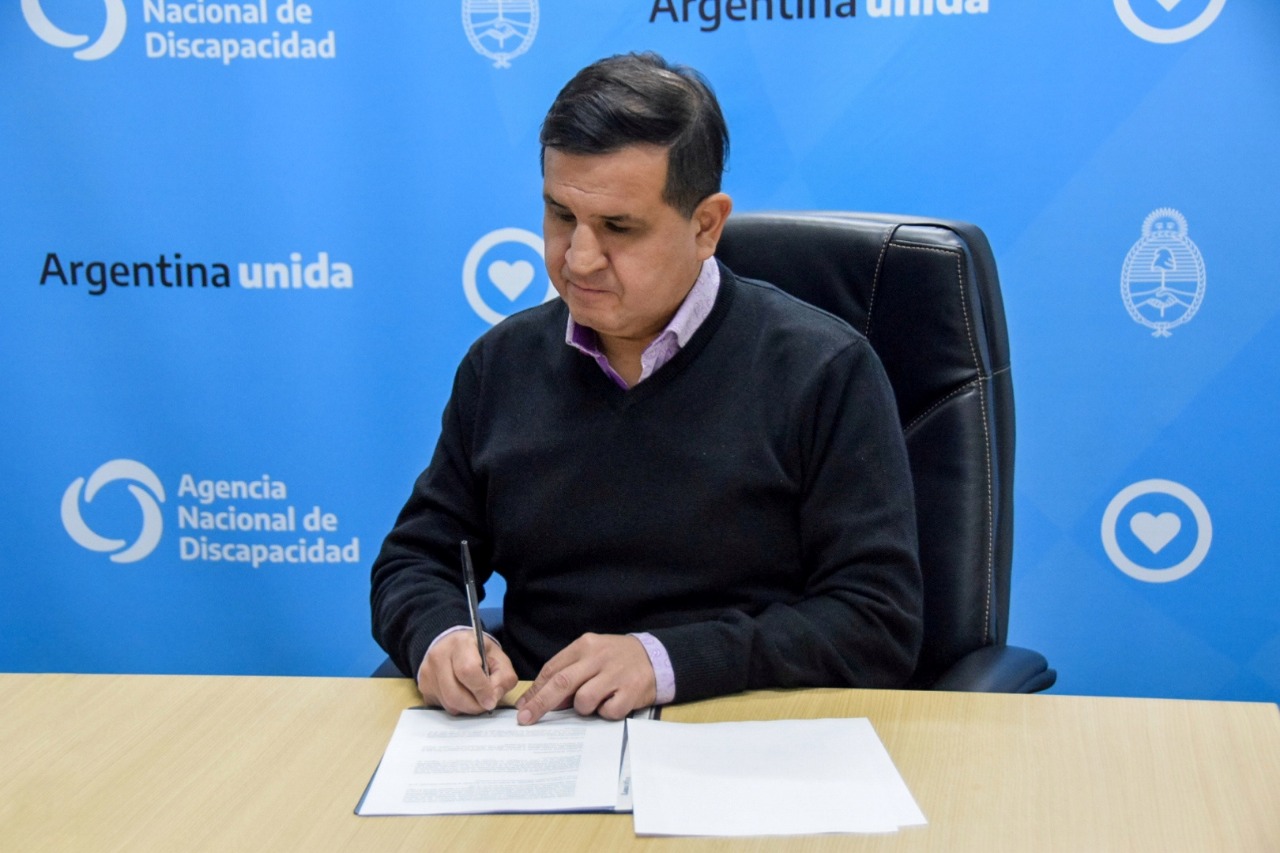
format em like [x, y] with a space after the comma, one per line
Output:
[616, 228]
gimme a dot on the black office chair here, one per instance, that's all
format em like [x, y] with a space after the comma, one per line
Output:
[926, 295]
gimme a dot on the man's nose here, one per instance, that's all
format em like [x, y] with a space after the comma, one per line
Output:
[584, 255]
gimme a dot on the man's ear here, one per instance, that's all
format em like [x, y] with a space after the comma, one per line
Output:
[709, 217]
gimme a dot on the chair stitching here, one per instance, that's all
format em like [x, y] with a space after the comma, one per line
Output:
[875, 279]
[941, 402]
[986, 435]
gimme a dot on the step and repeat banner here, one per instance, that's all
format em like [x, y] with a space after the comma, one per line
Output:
[244, 246]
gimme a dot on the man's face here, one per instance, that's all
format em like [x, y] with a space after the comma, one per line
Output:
[621, 258]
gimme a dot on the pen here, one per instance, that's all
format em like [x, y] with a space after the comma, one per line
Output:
[473, 604]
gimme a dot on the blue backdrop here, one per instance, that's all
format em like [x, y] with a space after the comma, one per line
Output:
[244, 245]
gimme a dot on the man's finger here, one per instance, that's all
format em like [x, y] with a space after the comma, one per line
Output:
[457, 699]
[467, 667]
[451, 675]
[502, 678]
[617, 706]
[605, 674]
[552, 690]
[487, 690]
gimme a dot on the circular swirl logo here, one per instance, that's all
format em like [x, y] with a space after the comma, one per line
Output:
[145, 487]
[112, 32]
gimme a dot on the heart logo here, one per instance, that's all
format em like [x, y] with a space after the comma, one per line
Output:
[1155, 531]
[511, 279]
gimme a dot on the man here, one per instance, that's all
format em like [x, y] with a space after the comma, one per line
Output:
[692, 483]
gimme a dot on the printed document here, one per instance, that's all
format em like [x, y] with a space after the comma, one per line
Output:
[438, 764]
[782, 777]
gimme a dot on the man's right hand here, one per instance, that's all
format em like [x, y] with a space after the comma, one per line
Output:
[452, 678]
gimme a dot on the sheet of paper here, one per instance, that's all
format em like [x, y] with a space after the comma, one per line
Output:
[438, 764]
[781, 777]
[624, 774]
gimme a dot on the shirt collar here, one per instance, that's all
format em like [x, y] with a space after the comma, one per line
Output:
[688, 318]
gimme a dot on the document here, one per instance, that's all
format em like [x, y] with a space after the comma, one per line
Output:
[438, 764]
[782, 777]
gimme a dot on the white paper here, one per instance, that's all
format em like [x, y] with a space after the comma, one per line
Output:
[781, 777]
[438, 764]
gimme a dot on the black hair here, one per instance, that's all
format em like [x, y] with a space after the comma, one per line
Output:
[640, 98]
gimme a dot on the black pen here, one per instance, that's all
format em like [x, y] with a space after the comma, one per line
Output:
[473, 604]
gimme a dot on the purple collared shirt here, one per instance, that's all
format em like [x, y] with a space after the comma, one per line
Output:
[687, 319]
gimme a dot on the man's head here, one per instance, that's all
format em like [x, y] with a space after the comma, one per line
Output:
[631, 161]
[640, 99]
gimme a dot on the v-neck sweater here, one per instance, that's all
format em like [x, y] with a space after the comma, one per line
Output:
[749, 504]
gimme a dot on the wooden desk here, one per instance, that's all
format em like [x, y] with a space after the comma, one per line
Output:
[170, 763]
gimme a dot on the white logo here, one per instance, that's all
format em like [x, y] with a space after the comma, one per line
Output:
[1168, 34]
[491, 24]
[152, 523]
[511, 276]
[1162, 281]
[110, 39]
[1156, 530]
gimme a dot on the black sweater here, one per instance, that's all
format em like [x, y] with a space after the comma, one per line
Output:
[749, 504]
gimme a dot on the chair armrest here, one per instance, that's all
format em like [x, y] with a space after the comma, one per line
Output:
[387, 669]
[491, 618]
[998, 669]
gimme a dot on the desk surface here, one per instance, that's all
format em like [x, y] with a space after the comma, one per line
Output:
[228, 763]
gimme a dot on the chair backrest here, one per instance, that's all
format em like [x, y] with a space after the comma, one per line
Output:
[926, 295]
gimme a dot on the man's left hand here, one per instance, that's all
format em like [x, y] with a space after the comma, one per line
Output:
[605, 674]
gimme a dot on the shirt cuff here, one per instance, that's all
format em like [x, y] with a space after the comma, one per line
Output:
[663, 674]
